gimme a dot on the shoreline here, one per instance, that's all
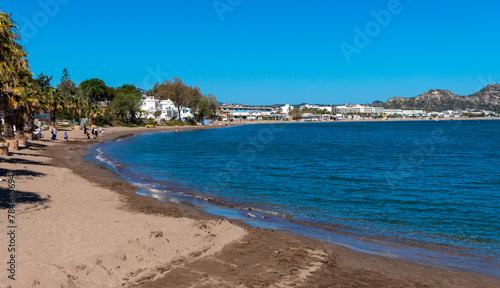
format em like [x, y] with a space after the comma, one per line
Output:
[419, 252]
[296, 261]
[415, 251]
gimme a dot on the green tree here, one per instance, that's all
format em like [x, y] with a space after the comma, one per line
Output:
[296, 113]
[20, 103]
[67, 88]
[126, 105]
[94, 111]
[43, 81]
[30, 101]
[154, 91]
[128, 88]
[204, 106]
[54, 101]
[178, 92]
[76, 105]
[94, 90]
[13, 63]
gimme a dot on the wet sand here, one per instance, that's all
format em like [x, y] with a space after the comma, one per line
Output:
[81, 226]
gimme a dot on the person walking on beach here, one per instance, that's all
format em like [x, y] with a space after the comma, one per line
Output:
[54, 133]
[65, 136]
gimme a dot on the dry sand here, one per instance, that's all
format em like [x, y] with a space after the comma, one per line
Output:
[79, 226]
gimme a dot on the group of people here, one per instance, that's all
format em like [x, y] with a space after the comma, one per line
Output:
[53, 133]
[95, 132]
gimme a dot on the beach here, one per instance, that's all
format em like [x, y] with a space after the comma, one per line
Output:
[78, 225]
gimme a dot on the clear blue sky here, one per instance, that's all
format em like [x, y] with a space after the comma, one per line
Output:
[267, 52]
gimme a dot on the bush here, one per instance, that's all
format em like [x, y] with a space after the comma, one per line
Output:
[173, 122]
[191, 121]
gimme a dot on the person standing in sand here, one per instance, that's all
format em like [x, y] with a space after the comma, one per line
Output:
[54, 133]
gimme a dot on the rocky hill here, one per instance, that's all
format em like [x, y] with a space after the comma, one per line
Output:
[487, 98]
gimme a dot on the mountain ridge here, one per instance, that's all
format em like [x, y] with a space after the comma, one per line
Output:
[488, 98]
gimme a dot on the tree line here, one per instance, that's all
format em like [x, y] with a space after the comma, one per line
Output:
[205, 106]
[22, 95]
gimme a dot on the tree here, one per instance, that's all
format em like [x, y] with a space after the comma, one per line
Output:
[126, 104]
[204, 106]
[213, 105]
[296, 113]
[54, 102]
[76, 105]
[94, 90]
[43, 81]
[94, 111]
[13, 63]
[154, 91]
[67, 88]
[30, 102]
[128, 88]
[49, 95]
[177, 92]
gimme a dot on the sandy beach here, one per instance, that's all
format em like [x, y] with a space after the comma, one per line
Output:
[78, 225]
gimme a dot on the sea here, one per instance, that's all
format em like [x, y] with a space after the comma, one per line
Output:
[424, 191]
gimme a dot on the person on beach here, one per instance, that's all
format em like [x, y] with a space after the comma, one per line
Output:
[65, 136]
[84, 129]
[100, 131]
[54, 133]
[88, 137]
[39, 132]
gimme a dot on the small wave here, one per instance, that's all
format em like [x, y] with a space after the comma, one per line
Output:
[100, 156]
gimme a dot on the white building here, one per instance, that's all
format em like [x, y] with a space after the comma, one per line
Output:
[151, 104]
[393, 112]
[317, 107]
[286, 109]
[358, 109]
[412, 113]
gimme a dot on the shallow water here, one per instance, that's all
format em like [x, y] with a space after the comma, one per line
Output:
[426, 184]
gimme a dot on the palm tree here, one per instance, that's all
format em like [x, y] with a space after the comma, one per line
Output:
[31, 104]
[77, 104]
[94, 111]
[54, 102]
[12, 63]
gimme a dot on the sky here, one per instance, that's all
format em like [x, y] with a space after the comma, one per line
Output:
[268, 52]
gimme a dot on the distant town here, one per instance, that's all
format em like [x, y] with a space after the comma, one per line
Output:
[154, 108]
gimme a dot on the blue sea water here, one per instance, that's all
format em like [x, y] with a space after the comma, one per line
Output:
[426, 184]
